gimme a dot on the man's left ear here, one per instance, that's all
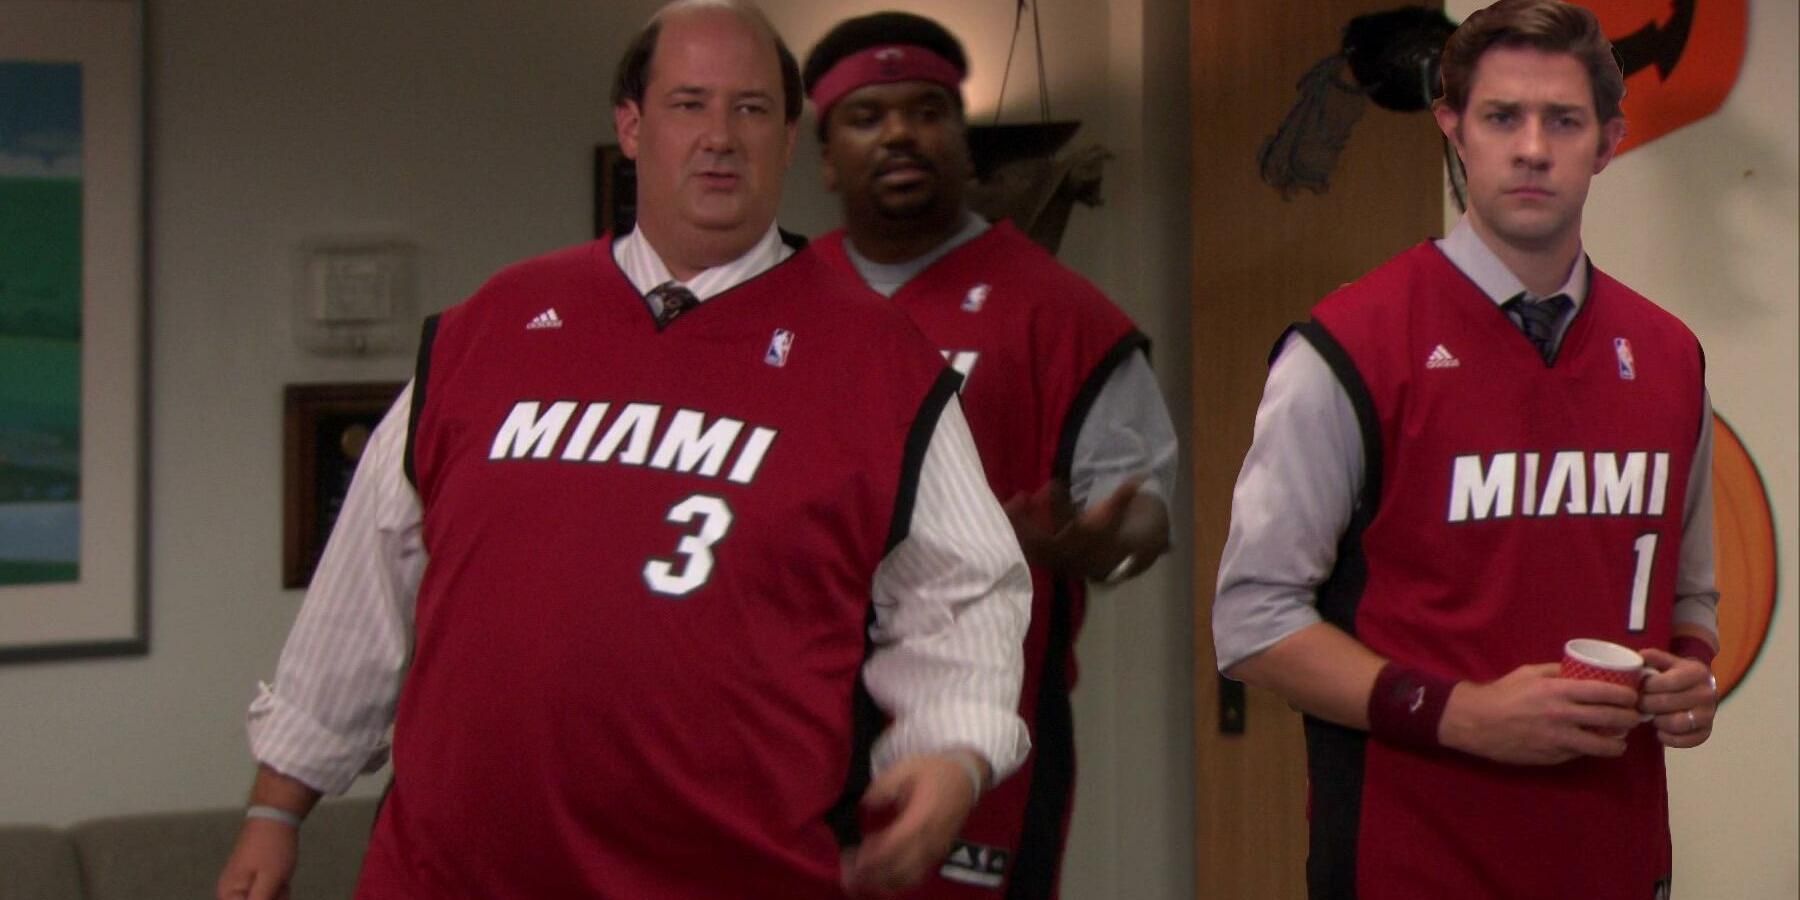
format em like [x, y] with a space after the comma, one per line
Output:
[1611, 135]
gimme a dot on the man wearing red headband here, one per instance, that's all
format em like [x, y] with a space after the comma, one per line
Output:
[1057, 387]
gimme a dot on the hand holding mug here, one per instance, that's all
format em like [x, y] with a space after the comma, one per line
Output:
[1682, 696]
[1588, 659]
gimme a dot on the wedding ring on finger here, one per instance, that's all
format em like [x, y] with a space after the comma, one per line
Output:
[1118, 572]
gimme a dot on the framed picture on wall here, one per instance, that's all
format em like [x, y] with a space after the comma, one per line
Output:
[326, 427]
[72, 497]
[615, 191]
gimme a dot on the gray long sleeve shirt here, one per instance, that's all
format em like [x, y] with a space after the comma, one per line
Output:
[1304, 470]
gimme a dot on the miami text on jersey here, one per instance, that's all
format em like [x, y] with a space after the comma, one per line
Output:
[1492, 487]
[638, 435]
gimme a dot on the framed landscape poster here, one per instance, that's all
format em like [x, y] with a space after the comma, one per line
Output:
[71, 331]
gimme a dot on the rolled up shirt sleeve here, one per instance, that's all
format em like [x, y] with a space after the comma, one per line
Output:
[1126, 435]
[952, 601]
[1298, 488]
[325, 719]
[1696, 590]
[1293, 500]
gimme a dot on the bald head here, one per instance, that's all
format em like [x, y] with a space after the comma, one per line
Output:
[709, 133]
[633, 75]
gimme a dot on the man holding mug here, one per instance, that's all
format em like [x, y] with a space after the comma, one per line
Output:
[1483, 449]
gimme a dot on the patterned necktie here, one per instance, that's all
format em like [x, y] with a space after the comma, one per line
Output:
[671, 300]
[1538, 320]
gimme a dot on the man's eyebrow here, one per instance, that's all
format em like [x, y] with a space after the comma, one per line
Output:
[1515, 106]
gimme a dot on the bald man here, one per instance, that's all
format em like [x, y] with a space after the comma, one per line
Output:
[662, 527]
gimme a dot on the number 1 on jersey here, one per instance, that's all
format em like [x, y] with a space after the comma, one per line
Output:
[1644, 549]
[715, 516]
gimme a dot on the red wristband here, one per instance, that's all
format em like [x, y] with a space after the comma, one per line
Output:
[1688, 645]
[1406, 706]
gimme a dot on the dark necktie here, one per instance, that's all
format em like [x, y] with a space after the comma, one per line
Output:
[671, 300]
[1538, 320]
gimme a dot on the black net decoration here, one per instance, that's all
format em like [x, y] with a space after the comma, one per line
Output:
[1389, 58]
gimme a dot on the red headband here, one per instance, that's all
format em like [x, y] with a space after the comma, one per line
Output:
[883, 64]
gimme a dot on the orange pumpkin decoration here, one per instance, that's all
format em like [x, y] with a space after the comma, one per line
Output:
[1744, 557]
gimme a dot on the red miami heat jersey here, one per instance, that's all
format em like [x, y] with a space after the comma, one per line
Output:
[1034, 342]
[1510, 504]
[642, 626]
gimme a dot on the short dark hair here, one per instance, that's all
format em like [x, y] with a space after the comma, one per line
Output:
[633, 75]
[853, 36]
[1548, 25]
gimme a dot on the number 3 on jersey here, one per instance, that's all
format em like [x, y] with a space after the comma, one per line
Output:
[682, 576]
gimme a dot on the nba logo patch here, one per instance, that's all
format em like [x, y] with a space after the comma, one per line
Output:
[977, 296]
[779, 345]
[1627, 366]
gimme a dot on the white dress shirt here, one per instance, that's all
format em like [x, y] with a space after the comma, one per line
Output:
[1304, 470]
[952, 601]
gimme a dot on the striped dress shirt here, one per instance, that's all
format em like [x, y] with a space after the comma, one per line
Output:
[951, 601]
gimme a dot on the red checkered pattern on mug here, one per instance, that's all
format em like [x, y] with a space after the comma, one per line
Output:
[1574, 668]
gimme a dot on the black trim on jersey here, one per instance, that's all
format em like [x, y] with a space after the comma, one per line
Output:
[1334, 771]
[1363, 402]
[1084, 399]
[421, 369]
[1334, 754]
[866, 720]
[1038, 859]
[924, 425]
[1706, 403]
[864, 717]
[794, 240]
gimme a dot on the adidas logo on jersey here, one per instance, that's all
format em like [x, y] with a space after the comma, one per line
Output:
[546, 319]
[1441, 358]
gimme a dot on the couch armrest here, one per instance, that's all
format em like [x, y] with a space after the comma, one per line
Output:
[38, 863]
[179, 855]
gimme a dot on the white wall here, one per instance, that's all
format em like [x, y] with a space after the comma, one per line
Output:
[1704, 221]
[269, 124]
[471, 133]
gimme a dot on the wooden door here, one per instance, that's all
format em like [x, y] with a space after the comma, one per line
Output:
[1260, 262]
